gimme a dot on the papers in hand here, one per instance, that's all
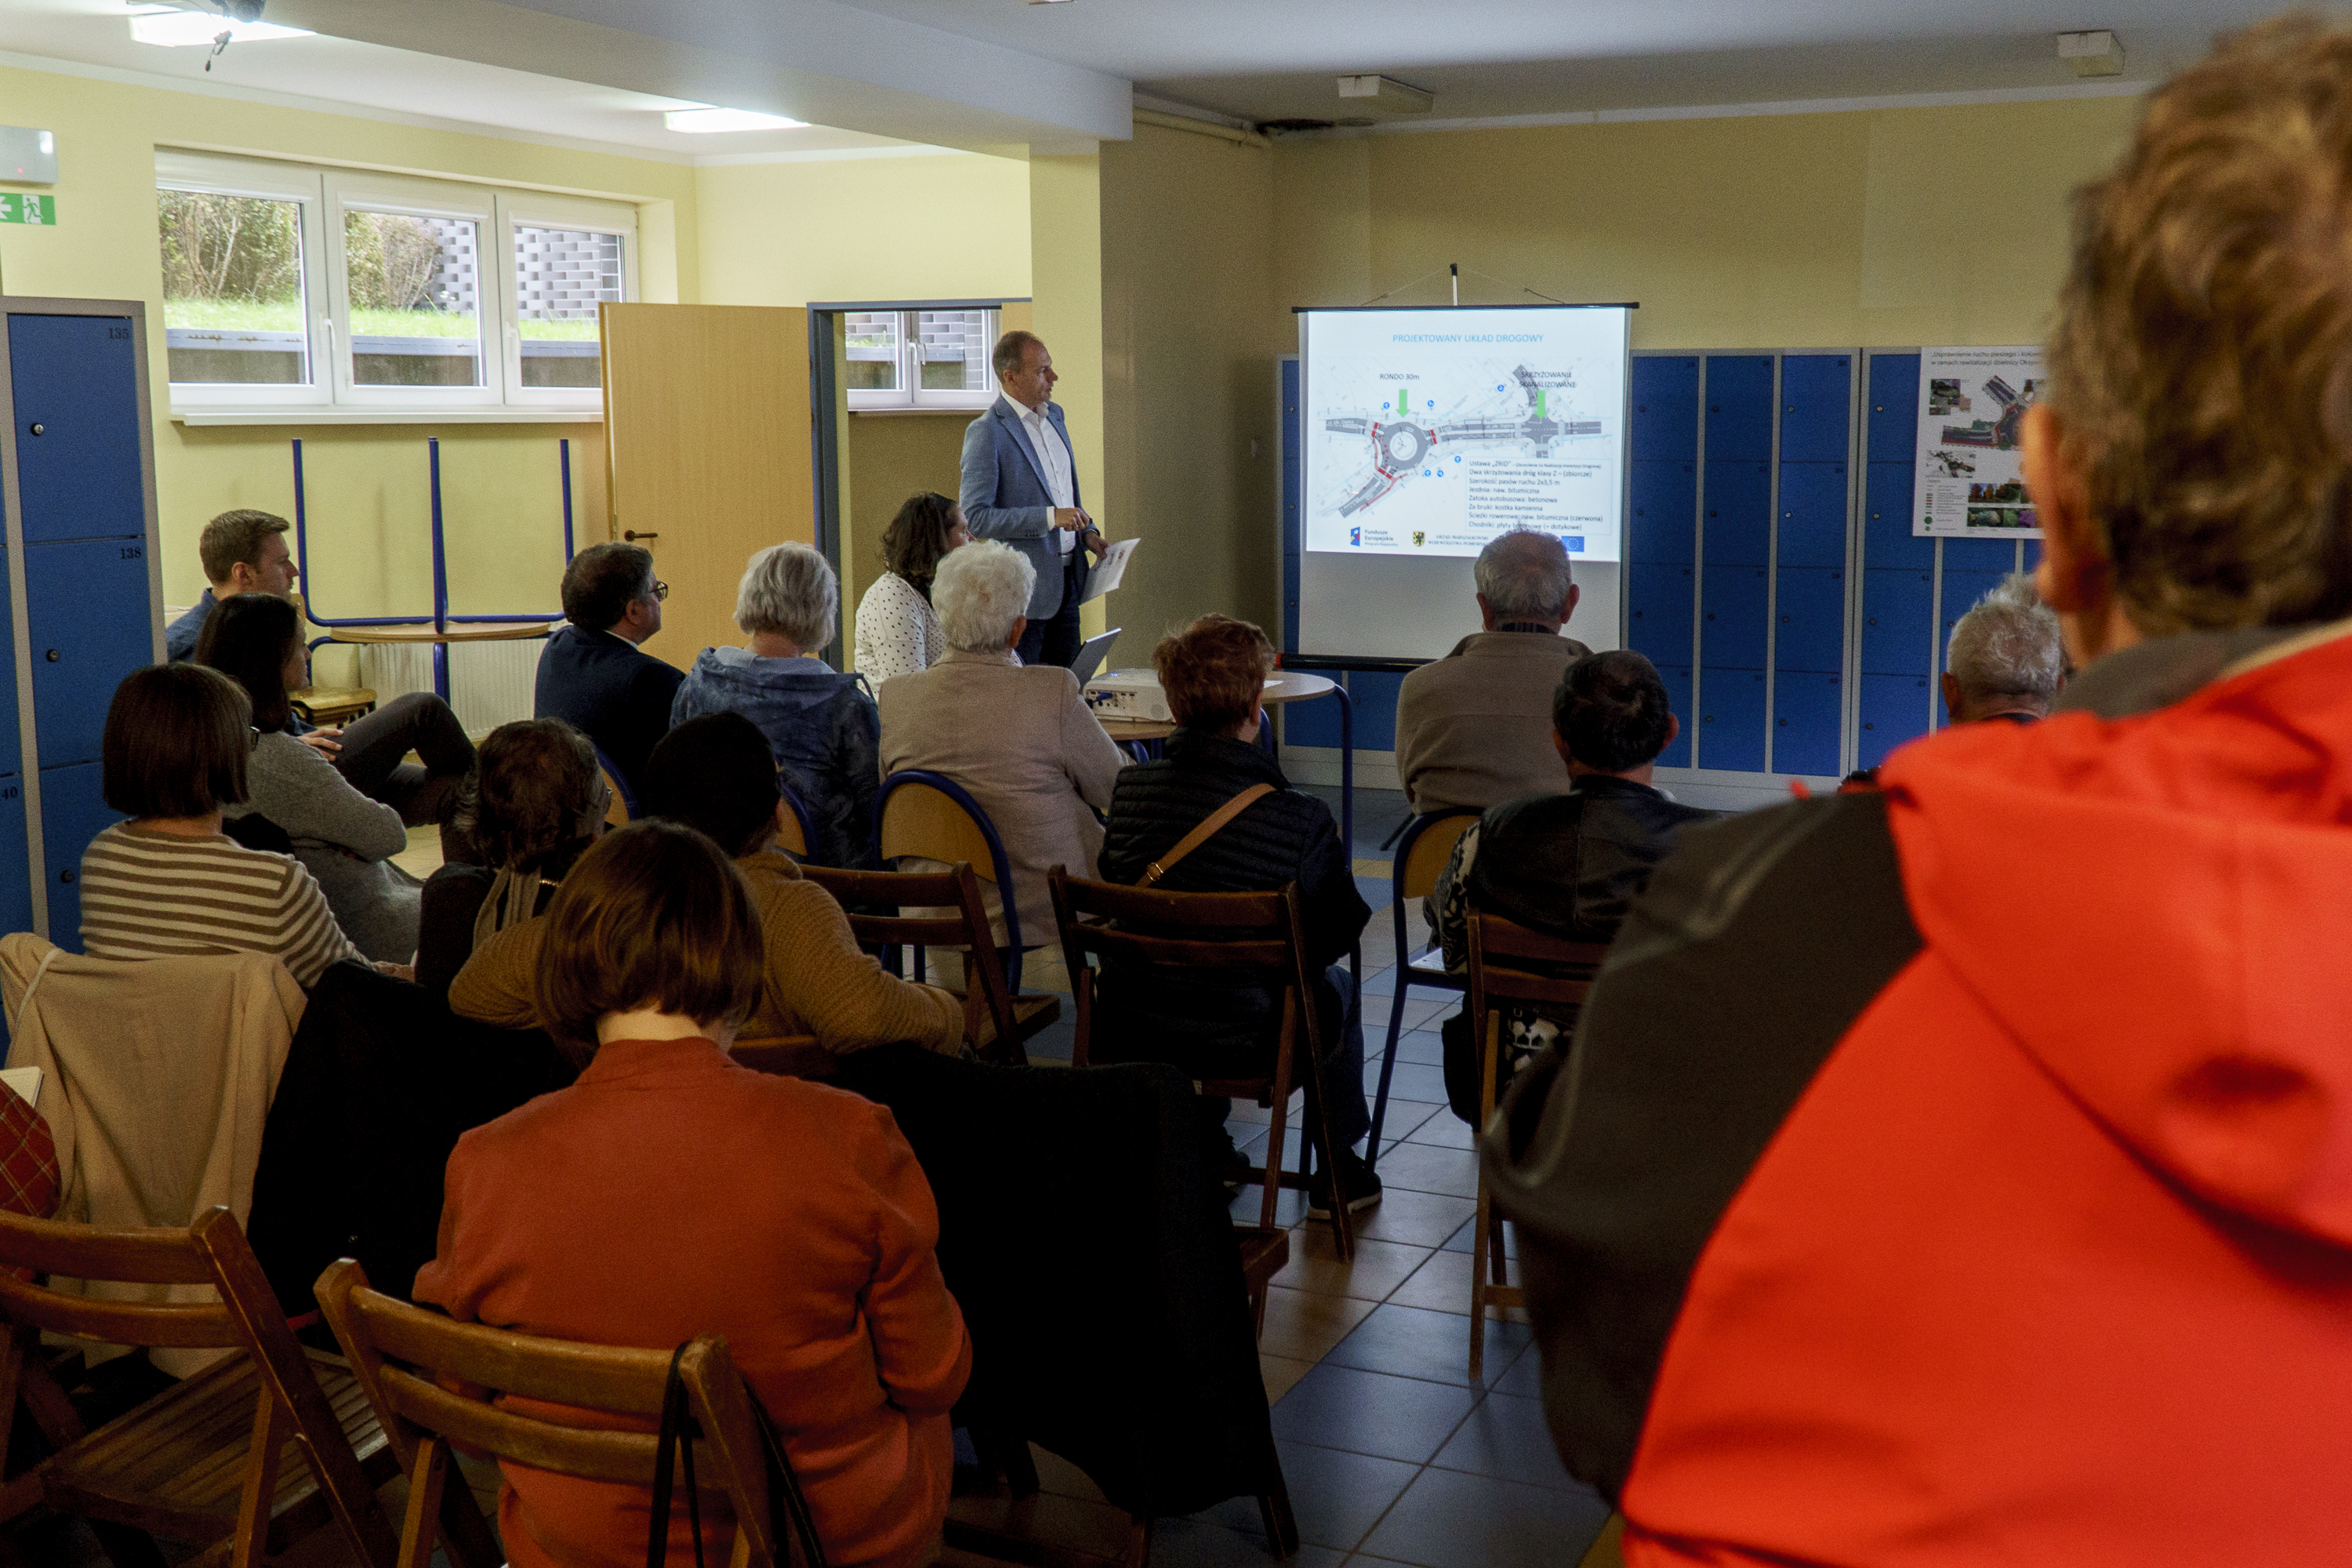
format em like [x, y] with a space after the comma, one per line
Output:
[26, 1082]
[1110, 570]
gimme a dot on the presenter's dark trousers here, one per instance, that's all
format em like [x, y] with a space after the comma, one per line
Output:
[1056, 638]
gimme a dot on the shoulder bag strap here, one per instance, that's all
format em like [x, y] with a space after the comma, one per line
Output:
[676, 1440]
[784, 1496]
[1208, 829]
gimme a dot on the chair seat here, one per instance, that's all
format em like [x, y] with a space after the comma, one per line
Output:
[329, 704]
[1428, 968]
[1265, 1252]
[176, 1465]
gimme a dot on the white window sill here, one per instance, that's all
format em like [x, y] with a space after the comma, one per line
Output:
[332, 415]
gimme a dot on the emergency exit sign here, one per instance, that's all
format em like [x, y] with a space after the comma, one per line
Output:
[16, 208]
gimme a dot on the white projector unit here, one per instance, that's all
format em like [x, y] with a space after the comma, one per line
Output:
[1127, 694]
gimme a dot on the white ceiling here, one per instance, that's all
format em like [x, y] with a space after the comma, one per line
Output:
[1010, 77]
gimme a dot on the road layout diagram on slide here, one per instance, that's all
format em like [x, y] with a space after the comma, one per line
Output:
[1403, 436]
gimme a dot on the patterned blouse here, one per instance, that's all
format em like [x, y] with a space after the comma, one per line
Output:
[897, 631]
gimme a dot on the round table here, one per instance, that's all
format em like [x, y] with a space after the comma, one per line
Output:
[1282, 686]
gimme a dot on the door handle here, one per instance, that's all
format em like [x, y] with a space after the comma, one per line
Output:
[633, 534]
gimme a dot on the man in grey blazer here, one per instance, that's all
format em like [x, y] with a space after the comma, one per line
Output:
[1021, 485]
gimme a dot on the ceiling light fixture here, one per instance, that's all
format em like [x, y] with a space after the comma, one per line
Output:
[2092, 54]
[1385, 95]
[704, 122]
[201, 29]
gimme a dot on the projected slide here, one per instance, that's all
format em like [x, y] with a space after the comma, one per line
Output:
[1430, 431]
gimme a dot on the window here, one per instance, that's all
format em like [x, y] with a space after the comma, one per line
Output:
[921, 359]
[287, 289]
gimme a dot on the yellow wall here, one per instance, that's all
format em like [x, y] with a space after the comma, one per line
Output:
[366, 483]
[891, 457]
[946, 226]
[1066, 274]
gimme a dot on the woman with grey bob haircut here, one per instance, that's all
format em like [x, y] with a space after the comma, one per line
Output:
[1020, 739]
[819, 722]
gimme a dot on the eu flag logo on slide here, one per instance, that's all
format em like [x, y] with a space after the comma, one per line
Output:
[1355, 537]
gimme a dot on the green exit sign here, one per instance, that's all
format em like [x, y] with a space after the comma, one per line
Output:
[16, 208]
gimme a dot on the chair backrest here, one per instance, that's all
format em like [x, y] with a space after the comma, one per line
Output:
[933, 817]
[794, 832]
[1242, 936]
[1508, 962]
[956, 890]
[622, 807]
[1421, 853]
[410, 1362]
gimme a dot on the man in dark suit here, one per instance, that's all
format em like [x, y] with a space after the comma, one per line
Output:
[592, 675]
[1021, 485]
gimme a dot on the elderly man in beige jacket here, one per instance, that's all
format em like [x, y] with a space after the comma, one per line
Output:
[1019, 739]
[1474, 729]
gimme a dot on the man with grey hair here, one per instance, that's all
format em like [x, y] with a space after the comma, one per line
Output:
[2004, 660]
[819, 721]
[1020, 484]
[1474, 729]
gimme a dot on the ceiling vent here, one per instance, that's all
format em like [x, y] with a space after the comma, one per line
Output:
[2092, 54]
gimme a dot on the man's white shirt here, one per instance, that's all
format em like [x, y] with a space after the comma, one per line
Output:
[1053, 455]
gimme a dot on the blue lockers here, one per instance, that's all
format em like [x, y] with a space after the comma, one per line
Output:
[79, 493]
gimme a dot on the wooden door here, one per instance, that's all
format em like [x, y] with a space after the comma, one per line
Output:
[708, 450]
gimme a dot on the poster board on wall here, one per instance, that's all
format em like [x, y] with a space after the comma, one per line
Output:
[1969, 483]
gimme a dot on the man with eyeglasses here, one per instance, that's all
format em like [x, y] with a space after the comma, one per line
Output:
[592, 674]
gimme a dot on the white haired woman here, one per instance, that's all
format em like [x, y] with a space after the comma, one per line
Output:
[1020, 740]
[820, 723]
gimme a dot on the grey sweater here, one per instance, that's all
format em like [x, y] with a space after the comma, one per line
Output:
[344, 839]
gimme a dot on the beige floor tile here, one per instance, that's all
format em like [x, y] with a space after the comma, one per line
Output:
[1378, 1269]
[1442, 1285]
[422, 856]
[1305, 1326]
[1429, 1168]
[1281, 1372]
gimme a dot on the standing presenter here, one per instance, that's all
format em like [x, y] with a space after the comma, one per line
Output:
[1021, 485]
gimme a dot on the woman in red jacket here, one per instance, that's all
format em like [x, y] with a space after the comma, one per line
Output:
[669, 1193]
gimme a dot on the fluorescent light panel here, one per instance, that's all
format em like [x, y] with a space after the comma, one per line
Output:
[191, 29]
[703, 121]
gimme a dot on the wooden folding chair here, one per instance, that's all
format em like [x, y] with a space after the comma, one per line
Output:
[1421, 852]
[1509, 962]
[243, 1459]
[413, 1363]
[1240, 937]
[932, 817]
[793, 830]
[995, 1021]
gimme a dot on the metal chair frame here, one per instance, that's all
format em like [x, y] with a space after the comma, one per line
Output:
[1408, 973]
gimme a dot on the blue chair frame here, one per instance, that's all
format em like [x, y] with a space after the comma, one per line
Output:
[620, 782]
[800, 814]
[1407, 975]
[999, 864]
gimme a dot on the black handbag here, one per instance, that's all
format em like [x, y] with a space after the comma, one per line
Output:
[675, 1445]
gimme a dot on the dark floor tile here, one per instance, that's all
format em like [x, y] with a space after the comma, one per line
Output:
[1419, 1047]
[1525, 1377]
[1371, 1413]
[1418, 1219]
[1429, 1168]
[1413, 1341]
[1446, 1131]
[1403, 1119]
[1336, 1496]
[1196, 1543]
[1380, 983]
[1466, 1239]
[1506, 1438]
[1412, 1080]
[1450, 1520]
[1289, 1206]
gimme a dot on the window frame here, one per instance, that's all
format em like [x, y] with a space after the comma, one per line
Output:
[910, 397]
[323, 195]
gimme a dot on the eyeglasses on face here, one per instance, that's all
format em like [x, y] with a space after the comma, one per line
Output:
[661, 590]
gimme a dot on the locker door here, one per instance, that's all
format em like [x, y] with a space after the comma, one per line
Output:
[1894, 408]
[15, 881]
[77, 384]
[1658, 612]
[1731, 722]
[1887, 536]
[1806, 712]
[90, 626]
[72, 813]
[1739, 513]
[1665, 409]
[1375, 692]
[1811, 628]
[1739, 408]
[1731, 633]
[12, 745]
[1663, 527]
[1815, 404]
[1895, 623]
[1893, 710]
[1678, 678]
[1998, 556]
[1812, 514]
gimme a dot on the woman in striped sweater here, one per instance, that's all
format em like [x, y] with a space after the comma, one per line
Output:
[169, 883]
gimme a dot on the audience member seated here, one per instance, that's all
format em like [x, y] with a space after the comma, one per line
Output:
[1019, 739]
[670, 1192]
[819, 722]
[245, 552]
[1474, 729]
[1932, 1160]
[898, 630]
[715, 774]
[1568, 865]
[169, 883]
[344, 839]
[1214, 672]
[2004, 660]
[535, 801]
[591, 674]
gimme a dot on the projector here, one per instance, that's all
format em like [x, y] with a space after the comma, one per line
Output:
[1128, 694]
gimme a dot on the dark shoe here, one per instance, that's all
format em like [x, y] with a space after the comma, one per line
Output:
[1358, 1184]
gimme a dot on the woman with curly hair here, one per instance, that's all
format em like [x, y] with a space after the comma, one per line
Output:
[897, 630]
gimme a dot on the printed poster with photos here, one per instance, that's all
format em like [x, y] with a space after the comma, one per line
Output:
[1972, 405]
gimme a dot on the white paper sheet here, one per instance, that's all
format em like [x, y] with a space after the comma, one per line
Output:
[1110, 570]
